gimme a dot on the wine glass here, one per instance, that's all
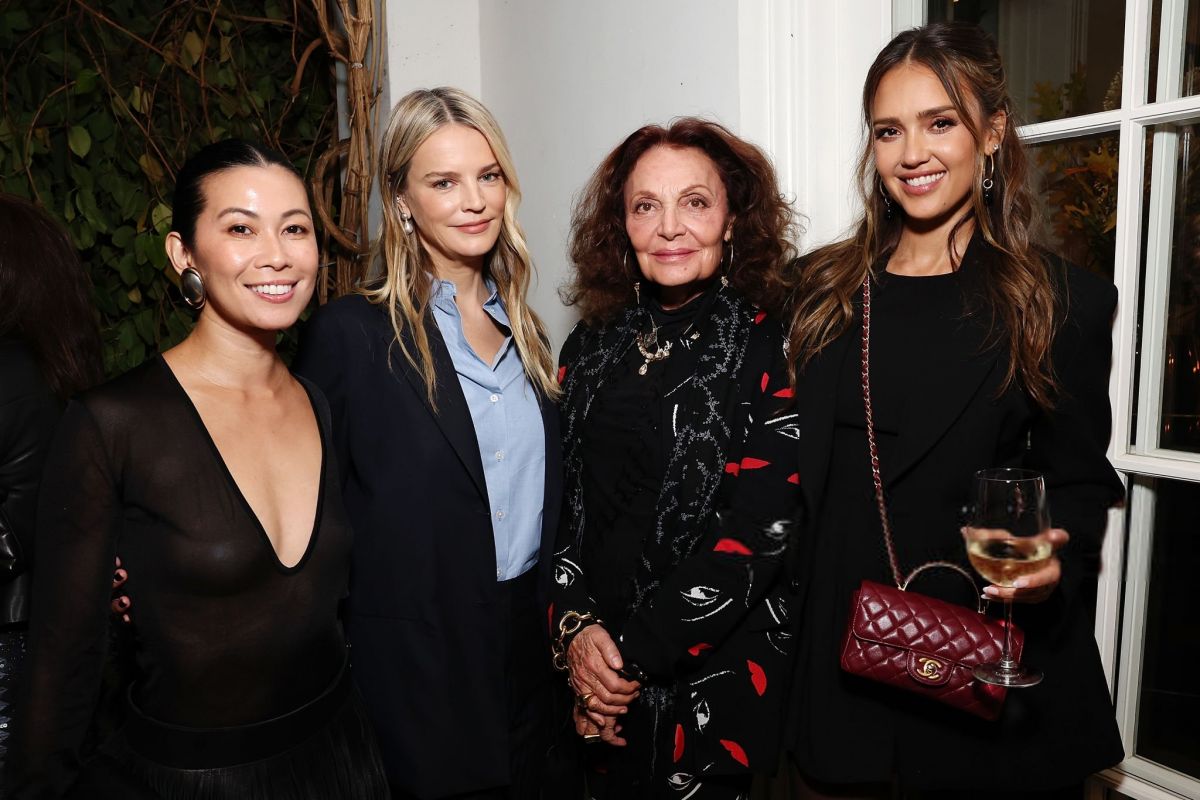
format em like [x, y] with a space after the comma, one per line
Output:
[1008, 538]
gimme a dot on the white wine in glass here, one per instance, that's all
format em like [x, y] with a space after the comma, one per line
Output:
[1009, 538]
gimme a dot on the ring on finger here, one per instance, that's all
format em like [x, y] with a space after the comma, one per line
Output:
[581, 702]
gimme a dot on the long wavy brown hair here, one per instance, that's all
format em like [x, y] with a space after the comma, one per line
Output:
[763, 228]
[1022, 302]
[405, 289]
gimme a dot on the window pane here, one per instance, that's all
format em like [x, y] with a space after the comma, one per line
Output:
[1171, 248]
[1075, 182]
[1169, 697]
[1179, 62]
[1062, 57]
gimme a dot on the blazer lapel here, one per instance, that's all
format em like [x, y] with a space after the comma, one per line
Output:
[947, 378]
[552, 492]
[452, 415]
[816, 393]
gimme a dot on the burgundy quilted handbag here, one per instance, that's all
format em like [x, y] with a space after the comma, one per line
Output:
[925, 645]
[909, 640]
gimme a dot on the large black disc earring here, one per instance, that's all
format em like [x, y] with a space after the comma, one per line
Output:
[889, 213]
[191, 286]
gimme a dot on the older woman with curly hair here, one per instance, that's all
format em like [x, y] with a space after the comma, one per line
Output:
[669, 610]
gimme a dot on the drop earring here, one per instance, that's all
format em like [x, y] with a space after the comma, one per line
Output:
[406, 223]
[889, 213]
[988, 181]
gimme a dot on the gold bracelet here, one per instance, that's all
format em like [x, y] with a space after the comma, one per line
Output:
[569, 624]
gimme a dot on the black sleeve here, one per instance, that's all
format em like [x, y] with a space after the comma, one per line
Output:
[79, 513]
[708, 595]
[569, 591]
[26, 426]
[1068, 444]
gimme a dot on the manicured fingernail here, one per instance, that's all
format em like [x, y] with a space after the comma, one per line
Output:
[991, 591]
[1020, 583]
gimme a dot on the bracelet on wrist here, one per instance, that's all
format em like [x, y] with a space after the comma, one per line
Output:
[569, 626]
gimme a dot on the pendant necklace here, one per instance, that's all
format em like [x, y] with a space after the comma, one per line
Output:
[646, 341]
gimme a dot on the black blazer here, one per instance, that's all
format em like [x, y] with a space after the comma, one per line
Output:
[1065, 729]
[428, 635]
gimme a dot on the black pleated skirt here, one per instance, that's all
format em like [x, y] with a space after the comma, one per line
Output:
[325, 749]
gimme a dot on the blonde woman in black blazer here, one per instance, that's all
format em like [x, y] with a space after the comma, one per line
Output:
[449, 639]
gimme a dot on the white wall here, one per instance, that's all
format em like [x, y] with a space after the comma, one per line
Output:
[568, 79]
[430, 43]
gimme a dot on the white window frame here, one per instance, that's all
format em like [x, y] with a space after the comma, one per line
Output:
[1124, 583]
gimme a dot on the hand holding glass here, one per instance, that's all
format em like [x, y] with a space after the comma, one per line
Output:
[1008, 539]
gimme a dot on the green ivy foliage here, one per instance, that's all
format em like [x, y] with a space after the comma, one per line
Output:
[103, 100]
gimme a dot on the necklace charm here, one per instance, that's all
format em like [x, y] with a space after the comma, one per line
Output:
[646, 341]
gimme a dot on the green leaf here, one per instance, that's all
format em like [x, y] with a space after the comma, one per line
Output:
[135, 100]
[79, 140]
[144, 322]
[161, 218]
[82, 176]
[85, 81]
[122, 236]
[126, 335]
[150, 166]
[101, 126]
[128, 272]
[193, 48]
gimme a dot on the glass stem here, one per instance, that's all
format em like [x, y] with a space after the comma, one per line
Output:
[1006, 660]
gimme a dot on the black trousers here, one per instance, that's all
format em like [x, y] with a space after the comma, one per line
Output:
[528, 676]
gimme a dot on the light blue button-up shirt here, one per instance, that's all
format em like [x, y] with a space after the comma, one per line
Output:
[508, 426]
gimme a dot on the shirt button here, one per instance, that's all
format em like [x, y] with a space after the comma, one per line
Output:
[495, 398]
[499, 455]
[500, 515]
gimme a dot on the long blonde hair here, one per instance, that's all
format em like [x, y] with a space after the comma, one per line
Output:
[1024, 306]
[405, 290]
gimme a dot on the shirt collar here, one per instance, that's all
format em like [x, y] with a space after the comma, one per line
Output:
[445, 291]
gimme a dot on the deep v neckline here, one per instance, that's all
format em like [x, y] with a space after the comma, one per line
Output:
[237, 490]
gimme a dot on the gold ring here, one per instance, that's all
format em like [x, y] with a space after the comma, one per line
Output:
[590, 738]
[582, 701]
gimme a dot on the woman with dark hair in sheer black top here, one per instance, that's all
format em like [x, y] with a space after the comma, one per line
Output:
[209, 469]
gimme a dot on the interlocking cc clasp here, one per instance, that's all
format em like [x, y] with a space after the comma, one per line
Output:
[927, 669]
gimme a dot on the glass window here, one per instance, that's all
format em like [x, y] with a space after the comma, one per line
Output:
[1075, 182]
[1172, 248]
[1169, 702]
[1062, 57]
[1179, 62]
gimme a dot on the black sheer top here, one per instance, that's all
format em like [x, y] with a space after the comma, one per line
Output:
[224, 634]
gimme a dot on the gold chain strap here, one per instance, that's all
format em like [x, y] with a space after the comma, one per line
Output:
[900, 579]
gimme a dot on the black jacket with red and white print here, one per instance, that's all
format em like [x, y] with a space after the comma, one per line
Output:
[712, 629]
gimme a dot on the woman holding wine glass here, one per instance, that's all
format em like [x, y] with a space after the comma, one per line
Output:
[980, 350]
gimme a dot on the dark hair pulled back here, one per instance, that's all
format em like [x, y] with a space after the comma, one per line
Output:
[226, 154]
